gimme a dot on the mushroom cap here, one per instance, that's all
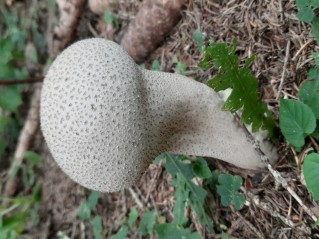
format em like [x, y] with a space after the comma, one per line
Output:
[94, 116]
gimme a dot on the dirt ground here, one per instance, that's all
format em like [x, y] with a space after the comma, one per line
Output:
[268, 29]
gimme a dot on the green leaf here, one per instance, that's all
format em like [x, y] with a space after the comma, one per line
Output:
[93, 198]
[132, 217]
[180, 200]
[228, 190]
[195, 195]
[121, 233]
[315, 28]
[156, 66]
[90, 204]
[199, 38]
[309, 94]
[296, 121]
[243, 83]
[10, 99]
[110, 19]
[310, 170]
[306, 14]
[147, 224]
[32, 157]
[201, 169]
[316, 132]
[97, 227]
[171, 231]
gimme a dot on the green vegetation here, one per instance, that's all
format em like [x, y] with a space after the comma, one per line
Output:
[19, 212]
[240, 79]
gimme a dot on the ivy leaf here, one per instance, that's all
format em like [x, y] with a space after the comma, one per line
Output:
[309, 94]
[243, 83]
[228, 190]
[310, 170]
[296, 121]
[171, 231]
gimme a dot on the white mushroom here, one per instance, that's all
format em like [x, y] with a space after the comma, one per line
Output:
[105, 119]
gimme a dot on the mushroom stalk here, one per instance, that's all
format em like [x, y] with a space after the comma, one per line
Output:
[191, 122]
[105, 119]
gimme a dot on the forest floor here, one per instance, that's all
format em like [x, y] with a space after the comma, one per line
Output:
[268, 29]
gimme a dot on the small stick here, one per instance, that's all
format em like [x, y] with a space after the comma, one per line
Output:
[136, 199]
[284, 70]
[248, 223]
[313, 141]
[283, 182]
[29, 129]
[301, 49]
[27, 81]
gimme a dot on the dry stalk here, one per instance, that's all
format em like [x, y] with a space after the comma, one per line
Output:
[29, 129]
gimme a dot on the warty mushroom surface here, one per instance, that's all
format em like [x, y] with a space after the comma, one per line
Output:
[105, 119]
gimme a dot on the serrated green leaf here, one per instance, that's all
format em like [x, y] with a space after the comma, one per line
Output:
[194, 194]
[309, 94]
[132, 217]
[310, 170]
[315, 28]
[228, 190]
[180, 200]
[97, 227]
[147, 224]
[243, 83]
[121, 233]
[171, 231]
[296, 121]
[201, 169]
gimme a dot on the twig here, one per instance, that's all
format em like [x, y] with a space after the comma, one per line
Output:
[248, 223]
[284, 70]
[28, 131]
[313, 141]
[136, 199]
[27, 81]
[283, 182]
[266, 206]
[301, 49]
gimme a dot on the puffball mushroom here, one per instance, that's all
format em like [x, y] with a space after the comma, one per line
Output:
[105, 119]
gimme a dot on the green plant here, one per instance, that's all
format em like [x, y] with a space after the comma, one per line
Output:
[243, 83]
[111, 20]
[199, 38]
[85, 214]
[16, 215]
[228, 190]
[307, 14]
[310, 170]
